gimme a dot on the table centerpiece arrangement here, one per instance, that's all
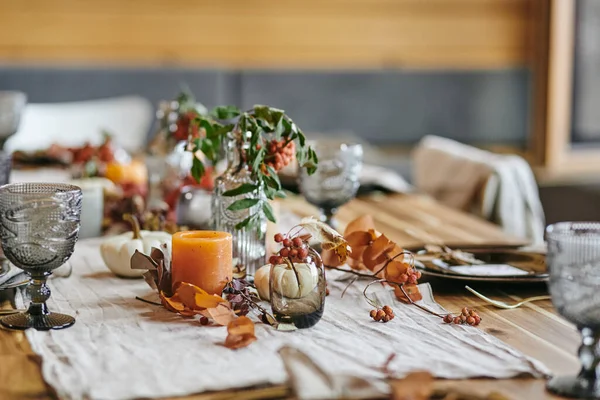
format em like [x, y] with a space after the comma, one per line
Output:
[259, 143]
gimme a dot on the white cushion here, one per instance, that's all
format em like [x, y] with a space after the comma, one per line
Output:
[73, 124]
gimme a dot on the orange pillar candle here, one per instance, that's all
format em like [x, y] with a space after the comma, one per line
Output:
[202, 258]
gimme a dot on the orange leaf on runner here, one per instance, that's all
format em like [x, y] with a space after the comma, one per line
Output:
[222, 314]
[240, 333]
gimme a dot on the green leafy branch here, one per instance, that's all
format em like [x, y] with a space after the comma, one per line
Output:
[255, 128]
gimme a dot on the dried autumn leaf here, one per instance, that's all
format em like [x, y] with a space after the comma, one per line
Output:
[171, 303]
[206, 300]
[363, 223]
[411, 290]
[329, 238]
[377, 253]
[222, 314]
[240, 333]
[415, 386]
[186, 293]
[395, 269]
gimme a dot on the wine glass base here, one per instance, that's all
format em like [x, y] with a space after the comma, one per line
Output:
[40, 322]
[574, 386]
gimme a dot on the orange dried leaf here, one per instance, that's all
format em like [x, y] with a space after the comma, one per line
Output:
[415, 386]
[359, 238]
[411, 290]
[205, 300]
[395, 269]
[187, 293]
[222, 314]
[330, 259]
[171, 303]
[363, 223]
[240, 333]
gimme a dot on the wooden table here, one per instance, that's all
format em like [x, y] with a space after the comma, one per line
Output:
[410, 220]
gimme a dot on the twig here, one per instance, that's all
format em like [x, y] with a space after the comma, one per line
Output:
[352, 272]
[148, 301]
[348, 285]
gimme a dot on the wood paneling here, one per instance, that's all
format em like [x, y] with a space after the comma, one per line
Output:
[268, 33]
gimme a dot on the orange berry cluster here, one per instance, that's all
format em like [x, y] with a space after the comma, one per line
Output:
[383, 314]
[279, 154]
[469, 317]
[401, 272]
[293, 248]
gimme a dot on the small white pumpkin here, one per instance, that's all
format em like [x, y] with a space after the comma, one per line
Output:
[117, 250]
[285, 281]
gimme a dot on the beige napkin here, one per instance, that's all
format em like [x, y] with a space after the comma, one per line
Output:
[499, 188]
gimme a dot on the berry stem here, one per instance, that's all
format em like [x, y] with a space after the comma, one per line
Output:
[401, 286]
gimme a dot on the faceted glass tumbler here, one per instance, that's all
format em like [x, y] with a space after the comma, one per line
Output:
[5, 167]
[574, 264]
[40, 225]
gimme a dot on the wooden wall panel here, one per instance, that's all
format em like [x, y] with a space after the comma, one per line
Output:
[267, 33]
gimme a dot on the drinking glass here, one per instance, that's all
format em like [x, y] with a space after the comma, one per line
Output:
[40, 225]
[574, 264]
[5, 167]
[336, 180]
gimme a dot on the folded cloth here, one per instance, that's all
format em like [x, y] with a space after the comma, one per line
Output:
[11, 273]
[499, 188]
[384, 178]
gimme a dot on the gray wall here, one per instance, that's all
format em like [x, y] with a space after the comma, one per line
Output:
[380, 106]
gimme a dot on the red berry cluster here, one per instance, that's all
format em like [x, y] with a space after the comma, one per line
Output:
[279, 153]
[184, 127]
[383, 314]
[469, 317]
[293, 248]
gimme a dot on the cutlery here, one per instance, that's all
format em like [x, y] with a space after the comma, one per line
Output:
[501, 304]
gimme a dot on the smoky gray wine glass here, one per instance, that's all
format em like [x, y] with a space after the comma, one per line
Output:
[574, 264]
[336, 180]
[40, 225]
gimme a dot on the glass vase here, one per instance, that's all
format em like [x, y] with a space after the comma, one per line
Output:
[297, 291]
[249, 245]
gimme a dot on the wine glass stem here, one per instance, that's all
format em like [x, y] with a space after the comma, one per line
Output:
[589, 355]
[327, 216]
[38, 292]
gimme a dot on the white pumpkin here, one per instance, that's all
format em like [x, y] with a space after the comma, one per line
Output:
[117, 250]
[285, 281]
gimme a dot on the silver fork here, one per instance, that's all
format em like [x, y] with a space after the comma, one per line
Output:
[501, 304]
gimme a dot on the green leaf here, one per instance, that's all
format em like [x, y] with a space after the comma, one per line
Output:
[273, 179]
[225, 112]
[279, 128]
[244, 223]
[242, 204]
[268, 210]
[258, 159]
[197, 169]
[262, 112]
[242, 189]
[301, 139]
[281, 194]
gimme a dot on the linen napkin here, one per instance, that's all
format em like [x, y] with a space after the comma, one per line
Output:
[499, 188]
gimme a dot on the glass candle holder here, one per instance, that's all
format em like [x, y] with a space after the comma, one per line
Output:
[297, 290]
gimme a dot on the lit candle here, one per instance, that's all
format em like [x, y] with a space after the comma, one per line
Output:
[202, 258]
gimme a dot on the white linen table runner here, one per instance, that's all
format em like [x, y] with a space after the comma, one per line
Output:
[122, 348]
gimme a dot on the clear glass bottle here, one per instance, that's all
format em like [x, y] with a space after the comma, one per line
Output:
[297, 291]
[249, 245]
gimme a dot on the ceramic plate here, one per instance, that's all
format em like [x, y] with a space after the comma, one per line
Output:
[505, 265]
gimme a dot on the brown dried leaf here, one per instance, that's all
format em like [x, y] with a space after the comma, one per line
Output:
[415, 386]
[377, 253]
[240, 333]
[140, 260]
[222, 314]
[359, 238]
[186, 292]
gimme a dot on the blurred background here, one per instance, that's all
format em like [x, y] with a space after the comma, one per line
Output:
[511, 76]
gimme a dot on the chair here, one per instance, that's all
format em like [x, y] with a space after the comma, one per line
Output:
[72, 124]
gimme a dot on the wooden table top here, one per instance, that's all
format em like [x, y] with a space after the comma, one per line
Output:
[410, 220]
